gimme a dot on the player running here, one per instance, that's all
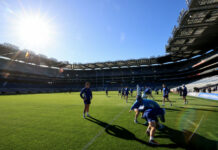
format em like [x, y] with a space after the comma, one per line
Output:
[86, 95]
[151, 112]
[184, 94]
[166, 95]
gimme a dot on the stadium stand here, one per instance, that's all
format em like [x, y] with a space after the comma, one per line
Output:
[192, 54]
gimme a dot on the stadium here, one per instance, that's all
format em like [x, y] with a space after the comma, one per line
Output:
[40, 104]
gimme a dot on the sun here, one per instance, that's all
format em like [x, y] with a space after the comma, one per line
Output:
[33, 30]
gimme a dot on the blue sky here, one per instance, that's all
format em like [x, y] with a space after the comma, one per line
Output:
[96, 30]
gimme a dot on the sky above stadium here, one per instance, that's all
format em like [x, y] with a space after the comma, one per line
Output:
[81, 31]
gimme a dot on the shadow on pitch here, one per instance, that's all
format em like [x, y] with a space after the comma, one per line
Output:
[201, 109]
[187, 140]
[178, 138]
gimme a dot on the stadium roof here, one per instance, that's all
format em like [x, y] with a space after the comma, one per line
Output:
[197, 33]
[14, 53]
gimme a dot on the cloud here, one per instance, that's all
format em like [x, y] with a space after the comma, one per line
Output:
[122, 36]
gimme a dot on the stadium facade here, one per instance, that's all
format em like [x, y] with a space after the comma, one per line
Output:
[192, 54]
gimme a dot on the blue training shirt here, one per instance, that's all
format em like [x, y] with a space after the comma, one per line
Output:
[165, 91]
[146, 103]
[86, 94]
[126, 91]
[185, 90]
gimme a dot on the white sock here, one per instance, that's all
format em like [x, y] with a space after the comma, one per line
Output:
[87, 113]
[151, 138]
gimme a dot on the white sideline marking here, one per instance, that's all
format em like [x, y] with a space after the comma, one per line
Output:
[191, 122]
[101, 131]
[196, 127]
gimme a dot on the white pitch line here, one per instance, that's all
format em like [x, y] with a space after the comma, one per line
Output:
[101, 131]
[191, 122]
[196, 127]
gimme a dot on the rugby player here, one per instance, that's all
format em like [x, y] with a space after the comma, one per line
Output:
[119, 92]
[184, 94]
[86, 95]
[147, 92]
[122, 92]
[106, 91]
[151, 111]
[166, 95]
[126, 93]
[131, 91]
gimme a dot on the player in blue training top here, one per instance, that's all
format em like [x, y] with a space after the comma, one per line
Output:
[147, 92]
[166, 95]
[106, 91]
[119, 92]
[86, 95]
[184, 94]
[131, 92]
[151, 113]
[141, 104]
[126, 93]
[122, 92]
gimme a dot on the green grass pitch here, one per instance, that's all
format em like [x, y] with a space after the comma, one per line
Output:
[54, 122]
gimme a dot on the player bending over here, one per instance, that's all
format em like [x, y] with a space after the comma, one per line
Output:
[148, 92]
[166, 95]
[150, 112]
[137, 107]
[86, 95]
[151, 115]
[141, 105]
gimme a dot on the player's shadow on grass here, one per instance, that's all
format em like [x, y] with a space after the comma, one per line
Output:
[116, 130]
[187, 140]
[178, 138]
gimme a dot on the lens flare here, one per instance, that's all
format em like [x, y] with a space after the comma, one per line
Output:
[33, 29]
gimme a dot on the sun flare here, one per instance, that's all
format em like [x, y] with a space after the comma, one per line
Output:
[33, 30]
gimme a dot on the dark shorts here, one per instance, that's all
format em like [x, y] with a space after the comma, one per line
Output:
[165, 96]
[150, 115]
[184, 94]
[87, 101]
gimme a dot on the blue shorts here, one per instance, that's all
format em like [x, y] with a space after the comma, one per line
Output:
[150, 115]
[88, 101]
